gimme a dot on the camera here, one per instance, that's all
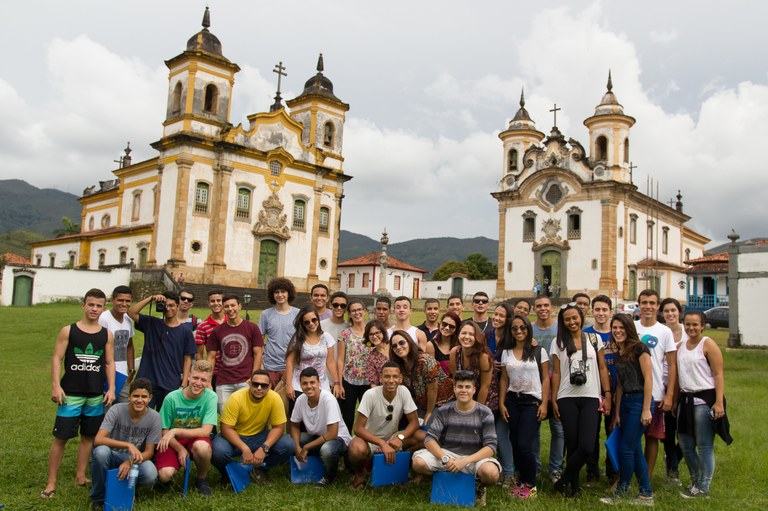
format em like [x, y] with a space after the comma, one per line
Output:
[578, 373]
[160, 306]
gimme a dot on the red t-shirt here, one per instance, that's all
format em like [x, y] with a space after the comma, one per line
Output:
[235, 344]
[202, 332]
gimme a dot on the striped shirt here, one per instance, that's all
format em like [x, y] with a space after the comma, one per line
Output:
[464, 433]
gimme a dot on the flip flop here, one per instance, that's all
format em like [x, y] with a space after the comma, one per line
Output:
[83, 484]
[47, 494]
[357, 486]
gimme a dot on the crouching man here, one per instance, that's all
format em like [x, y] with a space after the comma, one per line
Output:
[461, 438]
[128, 435]
[326, 435]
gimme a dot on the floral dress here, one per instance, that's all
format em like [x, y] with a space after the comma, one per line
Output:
[376, 361]
[427, 371]
[355, 357]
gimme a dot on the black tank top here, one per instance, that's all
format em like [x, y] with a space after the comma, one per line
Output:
[84, 362]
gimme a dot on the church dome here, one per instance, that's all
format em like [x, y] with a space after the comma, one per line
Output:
[521, 120]
[205, 40]
[319, 84]
[609, 105]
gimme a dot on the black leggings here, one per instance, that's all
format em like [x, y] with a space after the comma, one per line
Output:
[351, 394]
[580, 419]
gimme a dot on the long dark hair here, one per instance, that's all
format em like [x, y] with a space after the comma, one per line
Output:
[378, 324]
[456, 319]
[478, 349]
[410, 363]
[528, 348]
[300, 335]
[564, 339]
[507, 342]
[626, 352]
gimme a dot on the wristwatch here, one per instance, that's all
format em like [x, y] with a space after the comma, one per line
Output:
[265, 448]
[444, 459]
[401, 437]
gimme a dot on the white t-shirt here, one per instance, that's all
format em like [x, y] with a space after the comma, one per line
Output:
[335, 330]
[122, 332]
[660, 341]
[316, 420]
[314, 356]
[374, 406]
[523, 375]
[592, 387]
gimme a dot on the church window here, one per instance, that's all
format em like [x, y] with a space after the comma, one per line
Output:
[176, 99]
[351, 281]
[105, 220]
[52, 260]
[529, 225]
[299, 212]
[554, 194]
[509, 267]
[594, 264]
[328, 134]
[201, 197]
[601, 148]
[649, 234]
[275, 168]
[136, 206]
[196, 246]
[366, 279]
[123, 256]
[687, 254]
[397, 282]
[323, 263]
[574, 223]
[512, 160]
[91, 223]
[38, 260]
[211, 102]
[142, 257]
[71, 259]
[102, 258]
[626, 150]
[621, 232]
[633, 229]
[324, 214]
[665, 240]
[243, 210]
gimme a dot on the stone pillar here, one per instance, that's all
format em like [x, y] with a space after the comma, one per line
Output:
[734, 337]
[217, 235]
[152, 258]
[383, 258]
[183, 167]
[501, 262]
[312, 277]
[608, 281]
[333, 281]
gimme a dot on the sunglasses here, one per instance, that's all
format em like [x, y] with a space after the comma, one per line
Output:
[337, 305]
[390, 409]
[566, 305]
[308, 322]
[401, 342]
[258, 385]
[447, 325]
[186, 299]
[516, 328]
[480, 300]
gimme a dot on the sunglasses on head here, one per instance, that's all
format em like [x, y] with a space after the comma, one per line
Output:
[337, 305]
[390, 409]
[186, 298]
[259, 385]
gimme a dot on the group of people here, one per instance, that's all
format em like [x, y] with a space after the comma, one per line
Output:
[464, 395]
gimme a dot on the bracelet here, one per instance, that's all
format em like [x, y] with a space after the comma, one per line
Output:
[336, 383]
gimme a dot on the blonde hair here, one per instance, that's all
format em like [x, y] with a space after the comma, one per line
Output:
[202, 366]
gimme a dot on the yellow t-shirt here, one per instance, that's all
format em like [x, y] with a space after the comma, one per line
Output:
[248, 417]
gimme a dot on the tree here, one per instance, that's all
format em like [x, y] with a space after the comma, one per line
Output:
[479, 267]
[446, 269]
[68, 227]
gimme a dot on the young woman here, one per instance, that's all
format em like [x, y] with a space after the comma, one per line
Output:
[428, 384]
[523, 397]
[472, 354]
[634, 402]
[701, 410]
[309, 347]
[353, 354]
[447, 337]
[579, 372]
[376, 337]
[672, 312]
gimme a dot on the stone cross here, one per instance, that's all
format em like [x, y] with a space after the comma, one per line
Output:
[554, 111]
[279, 69]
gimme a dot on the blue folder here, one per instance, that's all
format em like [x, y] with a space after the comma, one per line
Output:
[118, 496]
[612, 446]
[310, 471]
[239, 476]
[396, 473]
[120, 380]
[186, 476]
[453, 489]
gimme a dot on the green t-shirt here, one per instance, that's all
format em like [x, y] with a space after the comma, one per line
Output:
[180, 412]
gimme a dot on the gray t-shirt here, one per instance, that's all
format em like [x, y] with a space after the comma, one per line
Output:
[464, 433]
[545, 336]
[118, 422]
[278, 329]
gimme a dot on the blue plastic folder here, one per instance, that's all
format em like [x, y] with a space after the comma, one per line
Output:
[310, 471]
[453, 489]
[396, 473]
[186, 476]
[612, 445]
[239, 475]
[118, 496]
[120, 380]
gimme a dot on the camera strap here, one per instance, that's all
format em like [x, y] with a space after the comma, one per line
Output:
[584, 342]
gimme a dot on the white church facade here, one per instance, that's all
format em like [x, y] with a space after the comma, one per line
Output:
[572, 220]
[231, 205]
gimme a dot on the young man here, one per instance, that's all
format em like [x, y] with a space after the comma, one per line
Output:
[601, 312]
[186, 301]
[661, 342]
[128, 435]
[430, 327]
[87, 350]
[582, 302]
[383, 308]
[252, 425]
[239, 346]
[403, 313]
[455, 305]
[319, 296]
[462, 438]
[335, 324]
[378, 416]
[522, 307]
[545, 331]
[204, 329]
[188, 417]
[168, 347]
[326, 434]
[276, 324]
[116, 320]
[480, 311]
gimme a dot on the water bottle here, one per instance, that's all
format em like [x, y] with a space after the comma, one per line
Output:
[133, 474]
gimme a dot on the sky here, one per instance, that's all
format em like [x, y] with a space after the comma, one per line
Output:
[430, 85]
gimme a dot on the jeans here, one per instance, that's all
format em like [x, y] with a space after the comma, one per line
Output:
[224, 452]
[580, 417]
[631, 458]
[224, 390]
[104, 458]
[672, 452]
[556, 446]
[504, 448]
[330, 452]
[701, 465]
[523, 430]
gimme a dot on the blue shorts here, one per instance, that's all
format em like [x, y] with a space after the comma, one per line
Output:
[78, 411]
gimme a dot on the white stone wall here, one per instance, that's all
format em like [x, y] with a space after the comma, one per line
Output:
[752, 292]
[406, 281]
[60, 250]
[441, 289]
[54, 284]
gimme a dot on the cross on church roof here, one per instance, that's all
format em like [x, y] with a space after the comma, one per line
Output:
[554, 111]
[279, 69]
[632, 167]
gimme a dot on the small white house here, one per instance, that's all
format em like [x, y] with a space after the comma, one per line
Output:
[362, 276]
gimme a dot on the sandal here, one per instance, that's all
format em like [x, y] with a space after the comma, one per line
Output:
[47, 494]
[357, 486]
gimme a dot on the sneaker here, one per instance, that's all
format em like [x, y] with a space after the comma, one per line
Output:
[642, 500]
[612, 500]
[694, 492]
[480, 492]
[613, 487]
[592, 478]
[555, 476]
[508, 482]
[563, 487]
[526, 491]
[323, 482]
[203, 487]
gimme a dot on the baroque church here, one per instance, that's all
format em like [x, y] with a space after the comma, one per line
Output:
[571, 219]
[222, 204]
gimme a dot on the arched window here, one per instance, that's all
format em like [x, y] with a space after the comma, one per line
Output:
[323, 223]
[176, 99]
[649, 234]
[328, 133]
[51, 260]
[38, 260]
[201, 197]
[512, 160]
[626, 150]
[601, 148]
[123, 256]
[529, 226]
[102, 258]
[299, 211]
[91, 223]
[243, 210]
[105, 221]
[633, 229]
[574, 223]
[136, 206]
[664, 239]
[211, 102]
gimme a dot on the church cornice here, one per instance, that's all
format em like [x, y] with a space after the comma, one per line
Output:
[201, 56]
[101, 234]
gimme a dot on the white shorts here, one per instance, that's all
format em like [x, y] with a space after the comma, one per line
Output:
[435, 465]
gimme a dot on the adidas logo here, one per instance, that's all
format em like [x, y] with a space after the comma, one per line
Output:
[88, 356]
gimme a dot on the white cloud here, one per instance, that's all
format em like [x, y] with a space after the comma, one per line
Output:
[663, 37]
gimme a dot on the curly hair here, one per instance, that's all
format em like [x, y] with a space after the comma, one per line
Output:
[280, 284]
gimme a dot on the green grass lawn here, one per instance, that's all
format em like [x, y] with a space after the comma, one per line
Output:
[27, 414]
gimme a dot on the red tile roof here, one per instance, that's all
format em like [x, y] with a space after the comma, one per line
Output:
[715, 263]
[655, 263]
[372, 259]
[10, 258]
